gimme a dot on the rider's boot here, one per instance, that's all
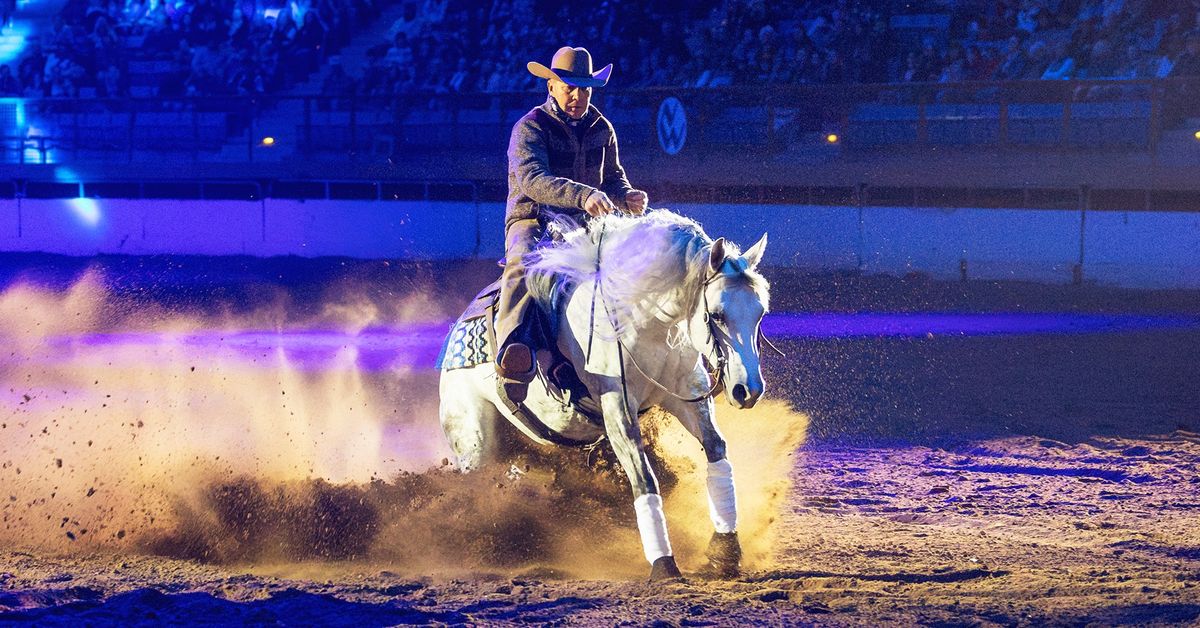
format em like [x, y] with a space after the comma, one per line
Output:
[516, 369]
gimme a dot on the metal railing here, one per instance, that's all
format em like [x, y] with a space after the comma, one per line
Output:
[252, 189]
[463, 190]
[1063, 114]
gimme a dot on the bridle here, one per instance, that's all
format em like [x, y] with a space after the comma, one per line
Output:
[715, 368]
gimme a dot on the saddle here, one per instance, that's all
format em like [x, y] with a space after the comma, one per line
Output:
[472, 341]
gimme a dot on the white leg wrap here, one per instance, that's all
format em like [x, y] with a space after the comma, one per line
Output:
[652, 524]
[722, 502]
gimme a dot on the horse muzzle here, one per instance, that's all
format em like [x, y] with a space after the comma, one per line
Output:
[744, 396]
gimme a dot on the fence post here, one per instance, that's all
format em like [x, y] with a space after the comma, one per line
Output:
[1003, 120]
[1065, 138]
[922, 120]
[307, 149]
[250, 133]
[860, 191]
[1156, 115]
[354, 126]
[1085, 200]
[129, 134]
[195, 133]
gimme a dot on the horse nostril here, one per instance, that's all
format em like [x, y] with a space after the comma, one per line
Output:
[740, 394]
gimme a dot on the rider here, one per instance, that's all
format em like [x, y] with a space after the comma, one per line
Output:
[562, 159]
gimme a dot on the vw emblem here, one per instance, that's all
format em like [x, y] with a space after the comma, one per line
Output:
[672, 125]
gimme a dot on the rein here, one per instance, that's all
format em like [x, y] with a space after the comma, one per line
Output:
[718, 381]
[717, 374]
[762, 338]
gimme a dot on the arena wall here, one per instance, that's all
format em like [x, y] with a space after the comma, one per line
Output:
[1142, 249]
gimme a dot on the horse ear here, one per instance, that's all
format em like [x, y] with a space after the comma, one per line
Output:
[717, 257]
[754, 254]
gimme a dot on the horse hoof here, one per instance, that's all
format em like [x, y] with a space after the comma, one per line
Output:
[664, 568]
[724, 555]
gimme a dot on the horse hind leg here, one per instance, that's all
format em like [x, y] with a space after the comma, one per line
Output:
[468, 418]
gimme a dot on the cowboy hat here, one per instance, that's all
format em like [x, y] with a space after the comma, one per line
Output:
[572, 66]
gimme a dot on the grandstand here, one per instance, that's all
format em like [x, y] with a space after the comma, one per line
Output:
[1046, 104]
[361, 84]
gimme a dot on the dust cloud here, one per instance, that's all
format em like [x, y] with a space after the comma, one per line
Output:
[132, 427]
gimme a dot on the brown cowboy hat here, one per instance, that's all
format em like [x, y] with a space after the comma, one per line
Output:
[572, 66]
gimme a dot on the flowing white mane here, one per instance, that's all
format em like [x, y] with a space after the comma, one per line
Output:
[651, 266]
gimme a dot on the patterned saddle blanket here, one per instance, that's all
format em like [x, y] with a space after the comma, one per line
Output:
[472, 340]
[469, 342]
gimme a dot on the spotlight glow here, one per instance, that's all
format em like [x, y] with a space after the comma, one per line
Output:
[12, 40]
[832, 138]
[268, 141]
[85, 210]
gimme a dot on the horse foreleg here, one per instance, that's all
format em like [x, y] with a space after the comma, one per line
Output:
[724, 551]
[624, 433]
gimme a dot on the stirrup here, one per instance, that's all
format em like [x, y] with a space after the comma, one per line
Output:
[517, 363]
[516, 368]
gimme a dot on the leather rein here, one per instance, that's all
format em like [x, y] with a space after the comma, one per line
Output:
[717, 371]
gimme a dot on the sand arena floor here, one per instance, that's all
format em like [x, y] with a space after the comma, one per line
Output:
[257, 450]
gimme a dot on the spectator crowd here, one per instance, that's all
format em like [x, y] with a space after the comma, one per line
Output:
[459, 48]
[175, 48]
[182, 47]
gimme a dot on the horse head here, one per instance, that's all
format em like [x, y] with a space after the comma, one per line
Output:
[734, 299]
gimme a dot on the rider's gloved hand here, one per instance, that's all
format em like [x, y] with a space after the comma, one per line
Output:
[598, 204]
[637, 201]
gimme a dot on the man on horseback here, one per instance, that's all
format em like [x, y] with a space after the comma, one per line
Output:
[562, 160]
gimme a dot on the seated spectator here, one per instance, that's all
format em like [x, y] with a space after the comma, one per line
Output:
[337, 82]
[914, 71]
[1188, 62]
[979, 65]
[110, 82]
[814, 68]
[9, 86]
[8, 8]
[459, 82]
[929, 61]
[1013, 66]
[400, 53]
[1027, 19]
[1060, 70]
[498, 81]
[954, 70]
[1103, 62]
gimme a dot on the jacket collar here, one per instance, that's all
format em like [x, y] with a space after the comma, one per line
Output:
[588, 119]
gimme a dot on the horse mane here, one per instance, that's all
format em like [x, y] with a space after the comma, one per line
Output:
[651, 266]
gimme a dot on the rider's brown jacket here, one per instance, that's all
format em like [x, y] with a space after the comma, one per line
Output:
[553, 166]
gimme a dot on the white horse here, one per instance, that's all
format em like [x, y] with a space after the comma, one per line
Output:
[643, 303]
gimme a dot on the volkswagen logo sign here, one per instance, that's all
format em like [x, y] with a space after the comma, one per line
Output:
[672, 125]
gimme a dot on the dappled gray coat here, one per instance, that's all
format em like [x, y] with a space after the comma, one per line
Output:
[553, 167]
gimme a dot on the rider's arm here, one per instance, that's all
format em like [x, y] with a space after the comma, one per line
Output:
[616, 186]
[530, 160]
